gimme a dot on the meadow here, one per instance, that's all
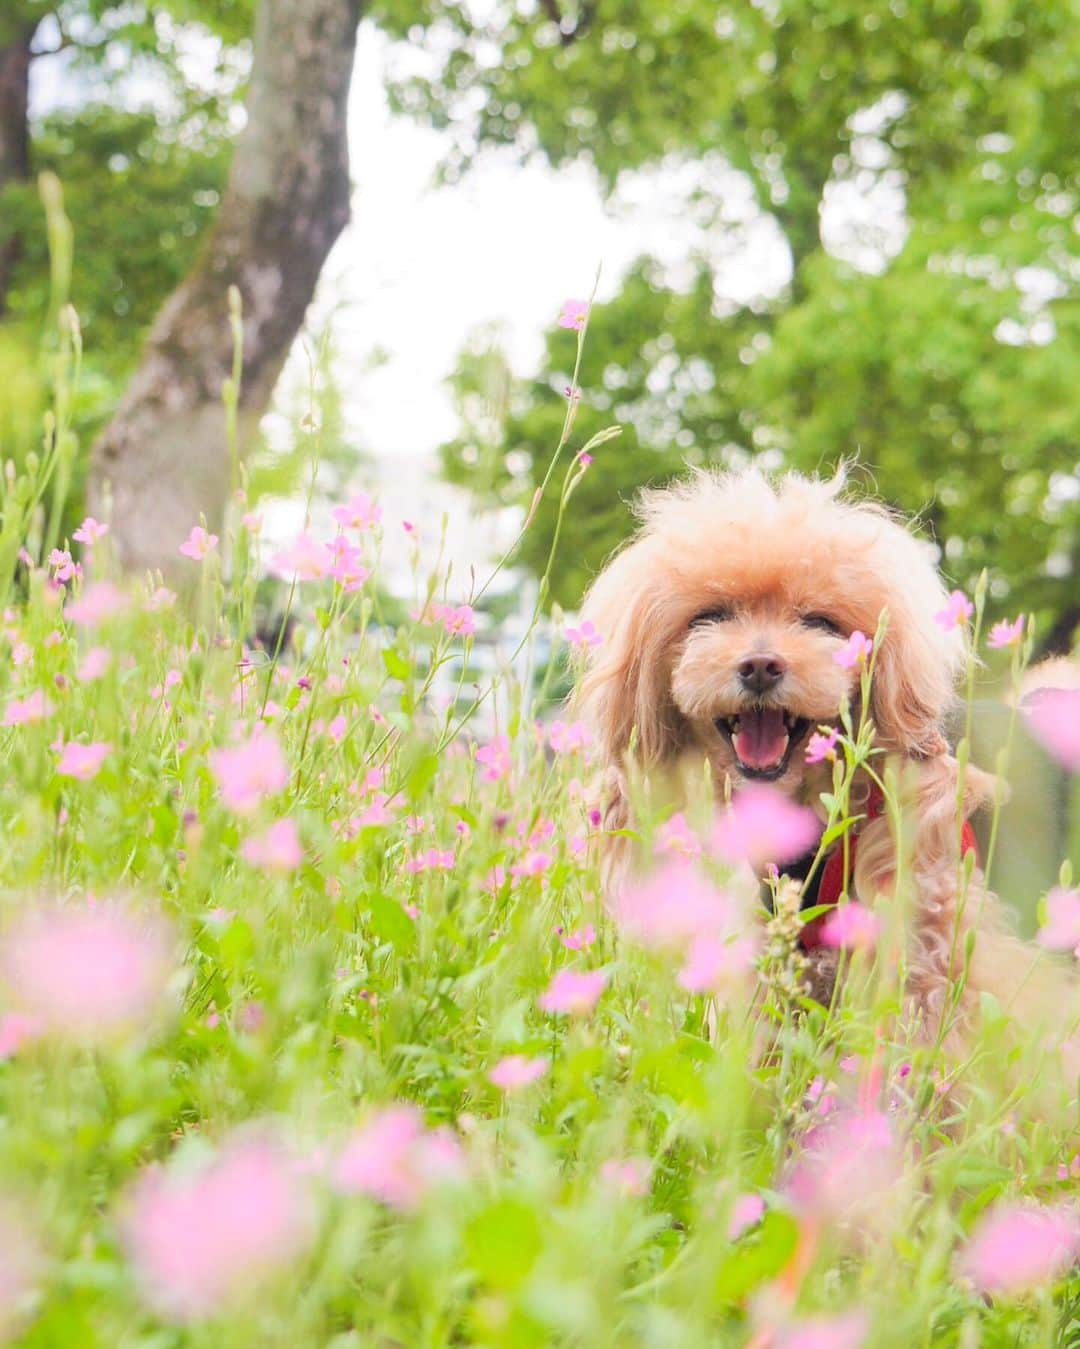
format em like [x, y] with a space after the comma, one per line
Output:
[316, 1029]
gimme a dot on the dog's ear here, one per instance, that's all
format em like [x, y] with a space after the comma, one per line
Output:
[627, 687]
[914, 683]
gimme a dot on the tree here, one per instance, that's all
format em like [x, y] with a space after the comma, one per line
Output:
[164, 458]
[935, 366]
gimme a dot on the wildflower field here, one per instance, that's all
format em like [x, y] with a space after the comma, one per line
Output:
[316, 1029]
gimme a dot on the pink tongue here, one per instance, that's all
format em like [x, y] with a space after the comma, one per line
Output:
[762, 737]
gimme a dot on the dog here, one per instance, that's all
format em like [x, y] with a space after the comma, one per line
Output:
[721, 623]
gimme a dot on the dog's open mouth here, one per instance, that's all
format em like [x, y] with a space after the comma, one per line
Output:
[763, 739]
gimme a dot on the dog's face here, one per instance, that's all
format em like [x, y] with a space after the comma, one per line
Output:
[723, 618]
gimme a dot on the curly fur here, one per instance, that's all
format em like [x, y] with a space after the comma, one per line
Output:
[774, 553]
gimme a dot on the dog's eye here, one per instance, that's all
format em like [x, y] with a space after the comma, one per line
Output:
[720, 615]
[822, 622]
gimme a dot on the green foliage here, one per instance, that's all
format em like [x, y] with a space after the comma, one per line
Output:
[947, 375]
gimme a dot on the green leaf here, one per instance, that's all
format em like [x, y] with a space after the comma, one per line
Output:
[503, 1242]
[397, 667]
[757, 1259]
[390, 923]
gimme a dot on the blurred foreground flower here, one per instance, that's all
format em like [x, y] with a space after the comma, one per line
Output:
[20, 711]
[198, 544]
[847, 1331]
[1006, 634]
[278, 849]
[574, 313]
[250, 771]
[1017, 1247]
[395, 1159]
[847, 1169]
[98, 602]
[762, 825]
[200, 1239]
[573, 991]
[1061, 931]
[516, 1071]
[855, 652]
[1053, 718]
[87, 972]
[359, 512]
[851, 927]
[82, 762]
[956, 613]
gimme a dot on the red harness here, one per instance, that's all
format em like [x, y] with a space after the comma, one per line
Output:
[834, 878]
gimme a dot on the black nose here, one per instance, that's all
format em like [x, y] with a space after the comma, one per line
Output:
[760, 673]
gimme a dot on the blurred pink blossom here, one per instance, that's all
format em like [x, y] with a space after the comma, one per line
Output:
[534, 863]
[851, 927]
[161, 598]
[347, 567]
[98, 602]
[763, 825]
[94, 664]
[21, 1266]
[1053, 718]
[675, 836]
[627, 1176]
[956, 613]
[1016, 1247]
[580, 940]
[82, 761]
[573, 991]
[250, 771]
[305, 558]
[17, 1030]
[673, 904]
[855, 652]
[495, 758]
[64, 569]
[856, 1143]
[566, 738]
[201, 1239]
[574, 313]
[1006, 634]
[747, 1211]
[20, 711]
[1061, 931]
[584, 636]
[821, 746]
[198, 544]
[847, 1331]
[395, 1159]
[277, 849]
[434, 859]
[714, 963]
[90, 531]
[359, 512]
[516, 1071]
[87, 973]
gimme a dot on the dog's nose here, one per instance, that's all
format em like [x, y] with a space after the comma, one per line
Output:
[760, 673]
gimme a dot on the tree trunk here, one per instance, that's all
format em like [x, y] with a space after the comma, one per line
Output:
[164, 459]
[15, 39]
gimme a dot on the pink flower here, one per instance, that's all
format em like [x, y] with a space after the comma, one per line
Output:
[162, 598]
[747, 1211]
[278, 849]
[516, 1071]
[359, 512]
[534, 863]
[573, 991]
[305, 558]
[1006, 633]
[252, 522]
[17, 1030]
[672, 905]
[90, 531]
[458, 620]
[848, 1331]
[82, 761]
[495, 758]
[95, 663]
[347, 567]
[851, 927]
[822, 745]
[34, 707]
[763, 825]
[1053, 718]
[198, 544]
[714, 963]
[249, 772]
[584, 636]
[855, 652]
[98, 602]
[574, 314]
[1061, 931]
[629, 1177]
[21, 654]
[848, 1146]
[199, 1240]
[676, 837]
[87, 973]
[396, 1160]
[1017, 1247]
[580, 940]
[956, 613]
[64, 569]
[567, 739]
